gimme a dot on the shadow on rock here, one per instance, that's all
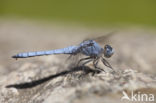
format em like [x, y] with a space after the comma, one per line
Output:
[40, 81]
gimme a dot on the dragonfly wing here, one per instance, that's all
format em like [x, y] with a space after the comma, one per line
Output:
[73, 59]
[105, 39]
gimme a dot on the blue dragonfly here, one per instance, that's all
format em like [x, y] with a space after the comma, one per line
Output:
[89, 48]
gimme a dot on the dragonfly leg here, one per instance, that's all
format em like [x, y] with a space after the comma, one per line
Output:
[83, 60]
[106, 63]
[87, 62]
[95, 63]
[90, 60]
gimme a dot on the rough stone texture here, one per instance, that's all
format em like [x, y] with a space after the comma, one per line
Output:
[54, 79]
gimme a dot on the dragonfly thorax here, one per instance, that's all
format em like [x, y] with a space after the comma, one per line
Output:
[93, 49]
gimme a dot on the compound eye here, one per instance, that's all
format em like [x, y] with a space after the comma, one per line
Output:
[108, 51]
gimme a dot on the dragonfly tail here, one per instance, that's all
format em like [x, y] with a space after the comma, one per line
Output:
[68, 50]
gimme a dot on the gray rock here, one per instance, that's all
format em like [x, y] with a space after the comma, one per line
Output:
[53, 79]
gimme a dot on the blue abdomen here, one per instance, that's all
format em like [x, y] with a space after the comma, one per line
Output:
[67, 50]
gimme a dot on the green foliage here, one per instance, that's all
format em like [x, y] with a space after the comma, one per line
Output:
[94, 12]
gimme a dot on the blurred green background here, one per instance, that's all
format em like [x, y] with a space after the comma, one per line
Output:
[88, 12]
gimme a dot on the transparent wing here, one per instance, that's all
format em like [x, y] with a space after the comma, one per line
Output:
[73, 59]
[104, 39]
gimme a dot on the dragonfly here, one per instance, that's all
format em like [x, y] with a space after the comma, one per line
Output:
[90, 48]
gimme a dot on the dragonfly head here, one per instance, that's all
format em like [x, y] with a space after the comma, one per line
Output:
[108, 51]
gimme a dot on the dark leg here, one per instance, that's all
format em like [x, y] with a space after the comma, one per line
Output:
[105, 62]
[95, 63]
[85, 64]
[83, 60]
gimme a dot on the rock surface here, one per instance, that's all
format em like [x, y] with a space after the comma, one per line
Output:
[54, 79]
